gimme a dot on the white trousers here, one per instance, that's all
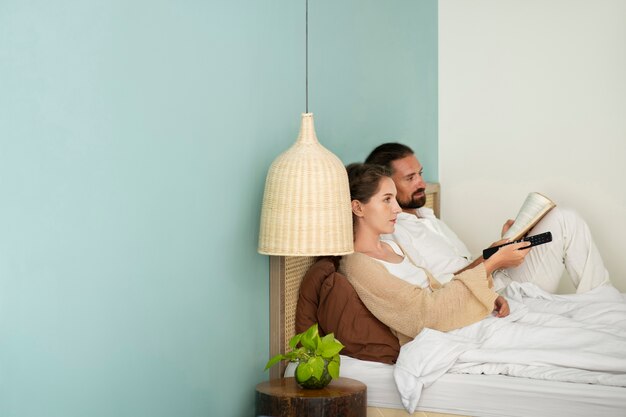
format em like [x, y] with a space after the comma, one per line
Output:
[572, 249]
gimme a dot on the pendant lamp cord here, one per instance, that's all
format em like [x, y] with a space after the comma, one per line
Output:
[306, 53]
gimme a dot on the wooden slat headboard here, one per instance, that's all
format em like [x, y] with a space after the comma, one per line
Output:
[286, 273]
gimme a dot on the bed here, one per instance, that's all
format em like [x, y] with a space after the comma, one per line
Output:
[452, 394]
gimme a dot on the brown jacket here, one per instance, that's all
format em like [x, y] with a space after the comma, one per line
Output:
[407, 308]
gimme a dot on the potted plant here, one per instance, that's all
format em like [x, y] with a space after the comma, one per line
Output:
[317, 357]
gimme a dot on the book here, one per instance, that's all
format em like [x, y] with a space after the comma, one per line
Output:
[533, 209]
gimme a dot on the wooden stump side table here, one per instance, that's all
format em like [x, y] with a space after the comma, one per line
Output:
[343, 397]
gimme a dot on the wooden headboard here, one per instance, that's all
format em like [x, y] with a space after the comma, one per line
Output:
[286, 273]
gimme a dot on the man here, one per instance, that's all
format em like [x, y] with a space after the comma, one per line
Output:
[430, 243]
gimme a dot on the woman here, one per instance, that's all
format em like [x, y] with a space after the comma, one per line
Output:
[403, 296]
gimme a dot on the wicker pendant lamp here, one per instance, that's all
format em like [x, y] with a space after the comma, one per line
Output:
[306, 205]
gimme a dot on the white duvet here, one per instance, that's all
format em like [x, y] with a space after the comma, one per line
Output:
[571, 338]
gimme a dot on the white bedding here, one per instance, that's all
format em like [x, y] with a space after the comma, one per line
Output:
[488, 395]
[577, 338]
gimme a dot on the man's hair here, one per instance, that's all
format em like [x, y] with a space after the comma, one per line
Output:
[387, 153]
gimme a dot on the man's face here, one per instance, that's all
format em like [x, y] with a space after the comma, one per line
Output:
[407, 175]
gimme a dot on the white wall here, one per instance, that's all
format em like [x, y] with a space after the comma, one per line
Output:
[532, 97]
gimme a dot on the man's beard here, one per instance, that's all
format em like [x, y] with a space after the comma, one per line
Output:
[414, 202]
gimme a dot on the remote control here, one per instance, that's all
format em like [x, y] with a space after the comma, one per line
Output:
[534, 241]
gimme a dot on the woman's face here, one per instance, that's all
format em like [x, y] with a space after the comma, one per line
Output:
[380, 212]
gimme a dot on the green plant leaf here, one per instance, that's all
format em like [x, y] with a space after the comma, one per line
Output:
[329, 346]
[329, 338]
[310, 338]
[274, 361]
[333, 369]
[294, 341]
[317, 366]
[301, 353]
[330, 351]
[303, 371]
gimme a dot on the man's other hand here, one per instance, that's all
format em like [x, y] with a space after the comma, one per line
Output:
[507, 226]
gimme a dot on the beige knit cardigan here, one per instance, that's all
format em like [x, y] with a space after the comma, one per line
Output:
[407, 308]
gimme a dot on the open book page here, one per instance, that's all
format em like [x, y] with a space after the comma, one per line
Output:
[534, 208]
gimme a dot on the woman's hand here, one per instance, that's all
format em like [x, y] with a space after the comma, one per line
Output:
[507, 256]
[501, 307]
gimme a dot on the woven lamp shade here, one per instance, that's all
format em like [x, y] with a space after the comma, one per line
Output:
[306, 204]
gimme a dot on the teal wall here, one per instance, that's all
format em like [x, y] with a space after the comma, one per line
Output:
[134, 141]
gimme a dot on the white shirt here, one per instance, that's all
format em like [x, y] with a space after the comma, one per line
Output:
[431, 244]
[405, 270]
